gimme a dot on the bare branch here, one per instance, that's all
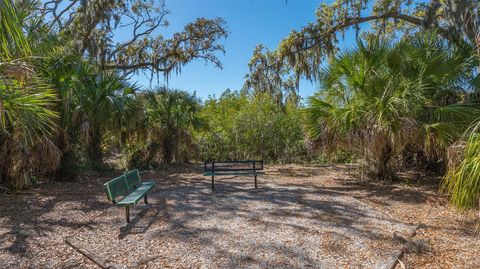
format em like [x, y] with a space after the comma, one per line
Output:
[58, 18]
[138, 23]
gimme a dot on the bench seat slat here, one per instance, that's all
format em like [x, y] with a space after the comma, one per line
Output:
[232, 173]
[137, 194]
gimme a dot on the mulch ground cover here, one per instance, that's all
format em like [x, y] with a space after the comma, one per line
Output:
[300, 217]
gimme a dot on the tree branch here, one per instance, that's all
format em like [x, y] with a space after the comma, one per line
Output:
[138, 66]
[57, 18]
[359, 20]
[155, 23]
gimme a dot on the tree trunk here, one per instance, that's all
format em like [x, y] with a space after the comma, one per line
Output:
[384, 170]
[67, 161]
[3, 161]
[13, 169]
[168, 150]
[94, 149]
[152, 150]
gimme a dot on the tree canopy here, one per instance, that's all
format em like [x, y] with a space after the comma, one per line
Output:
[302, 53]
[90, 27]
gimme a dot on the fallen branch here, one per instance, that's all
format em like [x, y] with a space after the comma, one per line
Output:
[92, 257]
[399, 254]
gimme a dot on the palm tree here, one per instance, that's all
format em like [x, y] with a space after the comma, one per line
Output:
[100, 102]
[462, 180]
[171, 116]
[380, 97]
[12, 39]
[26, 118]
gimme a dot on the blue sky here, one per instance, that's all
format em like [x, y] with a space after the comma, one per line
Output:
[250, 22]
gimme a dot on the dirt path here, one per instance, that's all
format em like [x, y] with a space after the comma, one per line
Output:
[299, 217]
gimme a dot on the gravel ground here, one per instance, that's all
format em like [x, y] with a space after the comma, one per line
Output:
[301, 216]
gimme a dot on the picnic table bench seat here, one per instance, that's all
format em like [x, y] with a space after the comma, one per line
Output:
[233, 173]
[130, 188]
[233, 168]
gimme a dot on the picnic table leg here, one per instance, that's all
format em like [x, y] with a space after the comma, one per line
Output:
[255, 181]
[127, 213]
[145, 199]
[213, 186]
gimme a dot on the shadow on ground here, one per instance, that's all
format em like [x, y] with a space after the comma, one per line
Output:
[34, 222]
[291, 226]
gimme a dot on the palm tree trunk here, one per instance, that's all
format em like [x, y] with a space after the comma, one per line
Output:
[7, 161]
[384, 170]
[95, 148]
[66, 162]
[152, 151]
[168, 150]
[3, 160]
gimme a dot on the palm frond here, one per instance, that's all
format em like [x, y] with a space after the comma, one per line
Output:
[12, 38]
[463, 182]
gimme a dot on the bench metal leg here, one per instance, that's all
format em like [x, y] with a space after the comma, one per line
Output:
[255, 181]
[127, 213]
[145, 199]
[213, 185]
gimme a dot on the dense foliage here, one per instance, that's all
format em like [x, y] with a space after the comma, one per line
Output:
[251, 126]
[65, 93]
[463, 181]
[382, 99]
[27, 121]
[165, 135]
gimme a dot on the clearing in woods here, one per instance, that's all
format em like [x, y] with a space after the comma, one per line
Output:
[300, 216]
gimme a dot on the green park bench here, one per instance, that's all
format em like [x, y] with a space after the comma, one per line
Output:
[130, 187]
[233, 168]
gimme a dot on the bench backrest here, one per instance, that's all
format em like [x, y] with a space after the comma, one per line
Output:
[245, 165]
[121, 185]
[133, 179]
